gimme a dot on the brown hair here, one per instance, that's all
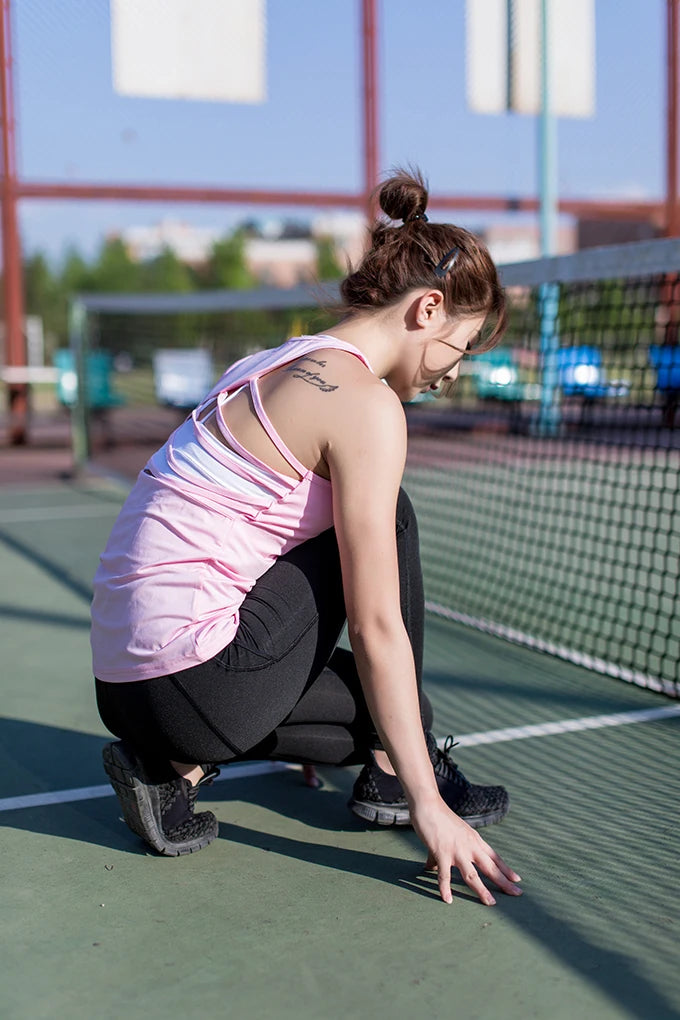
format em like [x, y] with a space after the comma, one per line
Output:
[405, 257]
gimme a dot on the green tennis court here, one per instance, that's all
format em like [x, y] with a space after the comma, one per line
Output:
[298, 911]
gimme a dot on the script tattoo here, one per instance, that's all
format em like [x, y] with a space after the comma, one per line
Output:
[308, 375]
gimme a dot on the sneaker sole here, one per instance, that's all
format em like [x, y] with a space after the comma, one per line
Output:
[386, 815]
[140, 805]
[379, 815]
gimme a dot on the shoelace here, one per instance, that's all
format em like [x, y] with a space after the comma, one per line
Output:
[209, 774]
[445, 766]
[170, 791]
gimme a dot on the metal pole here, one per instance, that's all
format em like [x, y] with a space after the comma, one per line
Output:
[547, 143]
[369, 37]
[581, 207]
[672, 216]
[671, 213]
[80, 424]
[12, 283]
[549, 413]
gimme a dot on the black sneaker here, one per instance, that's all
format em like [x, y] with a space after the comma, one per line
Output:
[378, 797]
[160, 810]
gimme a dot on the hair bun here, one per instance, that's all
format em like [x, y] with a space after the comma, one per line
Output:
[404, 195]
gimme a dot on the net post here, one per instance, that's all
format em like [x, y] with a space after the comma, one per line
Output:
[549, 415]
[80, 426]
[549, 293]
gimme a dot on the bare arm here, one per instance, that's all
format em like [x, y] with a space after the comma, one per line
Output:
[366, 460]
[366, 468]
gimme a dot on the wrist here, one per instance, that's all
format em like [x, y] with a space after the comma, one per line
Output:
[424, 798]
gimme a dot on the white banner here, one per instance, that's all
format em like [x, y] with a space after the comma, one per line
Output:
[504, 56]
[189, 49]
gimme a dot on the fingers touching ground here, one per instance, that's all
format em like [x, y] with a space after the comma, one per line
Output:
[487, 863]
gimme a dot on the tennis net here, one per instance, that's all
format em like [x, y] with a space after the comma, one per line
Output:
[547, 488]
[136, 364]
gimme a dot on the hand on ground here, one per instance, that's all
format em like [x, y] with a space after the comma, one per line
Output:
[452, 843]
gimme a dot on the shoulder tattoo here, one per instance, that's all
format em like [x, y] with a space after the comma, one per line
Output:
[310, 375]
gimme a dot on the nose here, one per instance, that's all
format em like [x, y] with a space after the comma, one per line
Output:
[444, 383]
[450, 376]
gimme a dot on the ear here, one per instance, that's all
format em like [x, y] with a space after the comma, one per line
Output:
[428, 307]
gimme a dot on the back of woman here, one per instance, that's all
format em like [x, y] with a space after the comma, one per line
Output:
[269, 521]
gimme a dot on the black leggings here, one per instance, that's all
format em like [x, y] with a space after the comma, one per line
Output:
[281, 689]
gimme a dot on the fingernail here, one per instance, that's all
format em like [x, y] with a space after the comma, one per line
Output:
[516, 890]
[491, 902]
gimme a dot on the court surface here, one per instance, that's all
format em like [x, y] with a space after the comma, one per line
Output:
[297, 910]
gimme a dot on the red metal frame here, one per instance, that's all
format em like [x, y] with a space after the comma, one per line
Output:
[11, 189]
[369, 34]
[672, 213]
[654, 210]
[15, 344]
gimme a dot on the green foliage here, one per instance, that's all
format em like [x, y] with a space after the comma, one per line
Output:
[43, 297]
[41, 290]
[114, 270]
[49, 290]
[75, 275]
[327, 267]
[165, 274]
[226, 268]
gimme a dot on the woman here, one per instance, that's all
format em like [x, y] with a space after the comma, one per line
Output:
[268, 520]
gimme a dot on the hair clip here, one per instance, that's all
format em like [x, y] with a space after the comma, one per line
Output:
[416, 216]
[446, 264]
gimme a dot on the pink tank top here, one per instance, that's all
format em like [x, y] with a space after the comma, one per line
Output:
[186, 548]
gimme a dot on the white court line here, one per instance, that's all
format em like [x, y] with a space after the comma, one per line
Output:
[578, 658]
[547, 729]
[51, 513]
[93, 792]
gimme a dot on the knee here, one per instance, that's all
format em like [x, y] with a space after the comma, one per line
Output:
[406, 515]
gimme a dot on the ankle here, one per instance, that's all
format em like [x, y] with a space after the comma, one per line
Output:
[383, 762]
[192, 773]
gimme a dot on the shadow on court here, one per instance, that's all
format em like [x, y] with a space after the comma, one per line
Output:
[37, 757]
[45, 758]
[593, 830]
[53, 568]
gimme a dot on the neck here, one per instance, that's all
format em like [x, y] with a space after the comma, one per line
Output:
[374, 335]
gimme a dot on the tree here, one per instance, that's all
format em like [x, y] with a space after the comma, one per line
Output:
[75, 273]
[40, 286]
[227, 268]
[166, 274]
[327, 267]
[114, 270]
[42, 297]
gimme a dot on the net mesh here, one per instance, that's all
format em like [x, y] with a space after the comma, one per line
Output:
[546, 487]
[149, 359]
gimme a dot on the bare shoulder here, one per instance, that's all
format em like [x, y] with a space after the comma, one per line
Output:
[364, 405]
[328, 369]
[336, 391]
[329, 407]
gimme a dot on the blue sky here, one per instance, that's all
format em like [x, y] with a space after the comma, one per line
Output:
[72, 126]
